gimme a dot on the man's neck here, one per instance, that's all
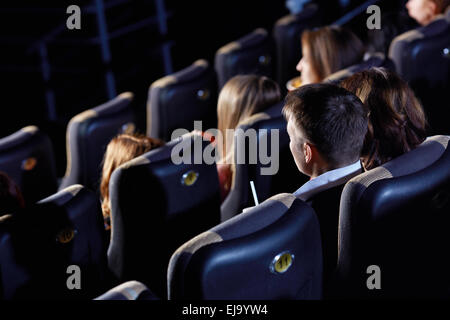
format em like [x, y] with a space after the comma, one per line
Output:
[318, 170]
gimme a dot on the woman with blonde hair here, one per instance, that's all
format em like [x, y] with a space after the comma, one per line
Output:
[121, 149]
[240, 98]
[326, 51]
[397, 122]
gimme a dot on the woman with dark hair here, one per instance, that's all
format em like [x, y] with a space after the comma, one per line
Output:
[327, 50]
[121, 149]
[397, 122]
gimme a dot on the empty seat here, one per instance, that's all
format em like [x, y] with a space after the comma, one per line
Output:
[422, 57]
[272, 251]
[396, 217]
[88, 134]
[377, 59]
[130, 290]
[278, 175]
[287, 33]
[27, 157]
[251, 54]
[49, 249]
[156, 205]
[177, 100]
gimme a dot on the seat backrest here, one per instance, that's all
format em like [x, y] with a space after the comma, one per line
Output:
[276, 174]
[376, 59]
[177, 100]
[35, 266]
[158, 204]
[396, 217]
[88, 135]
[28, 159]
[422, 58]
[287, 33]
[251, 54]
[272, 251]
[130, 290]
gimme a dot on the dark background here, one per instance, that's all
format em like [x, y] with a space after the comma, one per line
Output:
[196, 29]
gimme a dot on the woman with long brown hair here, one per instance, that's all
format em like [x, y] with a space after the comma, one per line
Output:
[326, 51]
[397, 122]
[121, 149]
[240, 98]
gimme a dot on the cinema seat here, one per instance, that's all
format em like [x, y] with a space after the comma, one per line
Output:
[271, 252]
[130, 290]
[157, 205]
[251, 54]
[88, 134]
[286, 179]
[287, 33]
[373, 60]
[28, 159]
[40, 243]
[177, 100]
[422, 58]
[396, 217]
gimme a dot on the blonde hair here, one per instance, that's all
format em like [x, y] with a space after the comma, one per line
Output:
[241, 97]
[121, 149]
[332, 49]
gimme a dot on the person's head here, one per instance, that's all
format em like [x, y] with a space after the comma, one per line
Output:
[397, 120]
[241, 97]
[11, 198]
[394, 24]
[424, 11]
[327, 50]
[326, 126]
[121, 149]
[296, 6]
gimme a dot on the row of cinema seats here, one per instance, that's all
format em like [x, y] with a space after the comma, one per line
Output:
[176, 101]
[27, 156]
[196, 87]
[168, 236]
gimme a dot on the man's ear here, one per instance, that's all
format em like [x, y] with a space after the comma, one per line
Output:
[308, 152]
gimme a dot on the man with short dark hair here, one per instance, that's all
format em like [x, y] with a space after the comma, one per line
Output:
[326, 125]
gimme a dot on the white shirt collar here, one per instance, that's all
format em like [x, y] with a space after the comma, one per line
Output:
[328, 180]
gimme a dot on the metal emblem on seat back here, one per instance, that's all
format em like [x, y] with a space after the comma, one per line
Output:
[189, 178]
[29, 164]
[282, 262]
[66, 235]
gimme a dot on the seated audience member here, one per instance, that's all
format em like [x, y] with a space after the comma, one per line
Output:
[393, 24]
[326, 127]
[11, 198]
[397, 121]
[296, 6]
[121, 149]
[425, 11]
[326, 51]
[240, 98]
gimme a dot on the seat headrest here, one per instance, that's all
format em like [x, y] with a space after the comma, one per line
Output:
[282, 225]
